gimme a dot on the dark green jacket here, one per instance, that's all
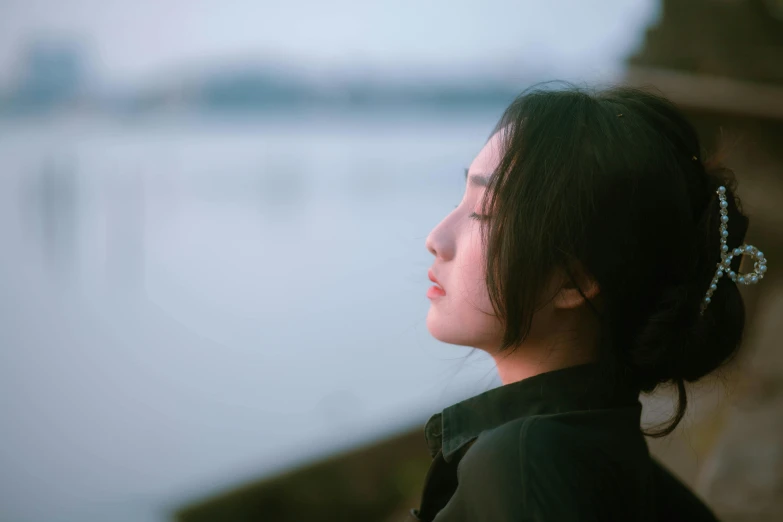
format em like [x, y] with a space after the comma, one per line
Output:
[565, 445]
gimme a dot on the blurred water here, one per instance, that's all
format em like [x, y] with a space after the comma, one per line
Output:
[188, 304]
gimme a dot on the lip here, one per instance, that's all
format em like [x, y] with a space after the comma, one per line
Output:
[435, 280]
[434, 292]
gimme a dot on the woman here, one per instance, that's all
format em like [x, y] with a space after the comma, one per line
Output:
[594, 256]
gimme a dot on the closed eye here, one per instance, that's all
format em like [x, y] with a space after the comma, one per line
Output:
[477, 217]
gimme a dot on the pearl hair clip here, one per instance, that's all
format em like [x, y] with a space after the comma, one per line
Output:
[724, 266]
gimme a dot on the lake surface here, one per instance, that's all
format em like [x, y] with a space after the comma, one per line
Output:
[189, 303]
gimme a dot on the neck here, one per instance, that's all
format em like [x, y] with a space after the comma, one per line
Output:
[540, 354]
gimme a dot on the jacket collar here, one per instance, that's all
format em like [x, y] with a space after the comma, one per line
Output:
[575, 388]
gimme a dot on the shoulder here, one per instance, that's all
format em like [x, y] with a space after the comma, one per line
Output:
[550, 464]
[520, 456]
[495, 454]
[558, 454]
[548, 467]
[489, 479]
[515, 446]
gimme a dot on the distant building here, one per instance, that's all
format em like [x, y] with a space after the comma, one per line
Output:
[50, 74]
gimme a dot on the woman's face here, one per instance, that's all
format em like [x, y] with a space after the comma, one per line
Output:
[464, 315]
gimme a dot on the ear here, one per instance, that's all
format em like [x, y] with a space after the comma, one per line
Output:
[574, 288]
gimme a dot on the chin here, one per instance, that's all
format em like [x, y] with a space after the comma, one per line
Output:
[441, 328]
[453, 330]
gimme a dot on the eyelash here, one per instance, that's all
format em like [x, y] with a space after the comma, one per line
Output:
[477, 217]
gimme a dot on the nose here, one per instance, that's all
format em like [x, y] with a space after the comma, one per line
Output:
[430, 245]
[440, 243]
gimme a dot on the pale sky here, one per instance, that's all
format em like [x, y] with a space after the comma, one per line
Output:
[138, 40]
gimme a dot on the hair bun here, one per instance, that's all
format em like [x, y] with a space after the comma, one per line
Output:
[659, 349]
[677, 342]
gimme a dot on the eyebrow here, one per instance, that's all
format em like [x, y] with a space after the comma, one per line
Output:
[476, 179]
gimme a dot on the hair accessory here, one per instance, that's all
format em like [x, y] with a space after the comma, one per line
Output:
[724, 266]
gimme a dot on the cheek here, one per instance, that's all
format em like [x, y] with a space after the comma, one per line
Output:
[472, 276]
[465, 317]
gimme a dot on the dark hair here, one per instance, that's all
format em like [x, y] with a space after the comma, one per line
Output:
[615, 181]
